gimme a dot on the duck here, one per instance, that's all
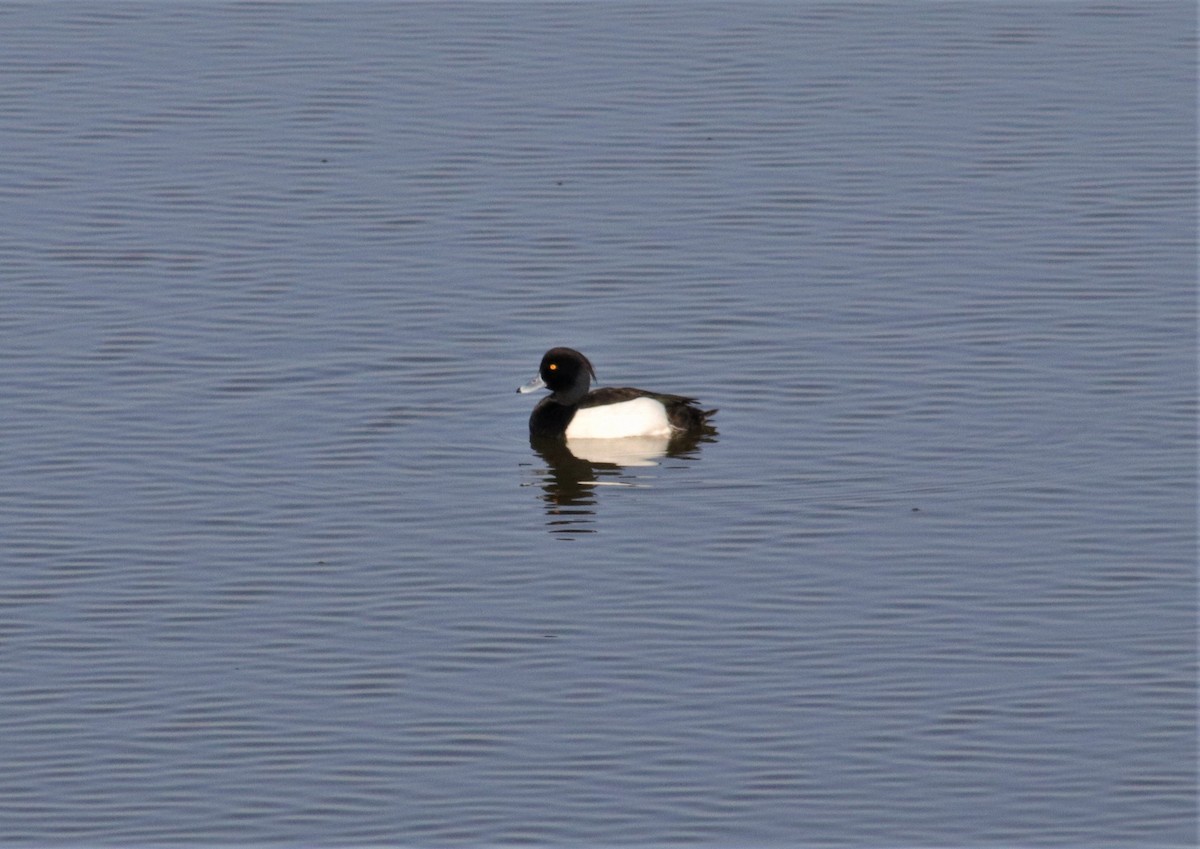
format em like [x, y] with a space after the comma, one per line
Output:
[576, 411]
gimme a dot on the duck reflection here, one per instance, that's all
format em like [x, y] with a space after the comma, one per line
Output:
[576, 468]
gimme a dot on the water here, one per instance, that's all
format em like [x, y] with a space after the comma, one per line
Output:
[279, 565]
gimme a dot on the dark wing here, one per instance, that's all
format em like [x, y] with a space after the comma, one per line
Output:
[613, 395]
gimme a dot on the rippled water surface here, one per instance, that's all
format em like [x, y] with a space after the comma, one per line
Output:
[279, 564]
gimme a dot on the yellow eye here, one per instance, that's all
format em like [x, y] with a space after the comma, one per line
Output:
[553, 366]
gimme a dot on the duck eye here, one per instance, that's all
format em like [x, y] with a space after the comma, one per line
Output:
[553, 366]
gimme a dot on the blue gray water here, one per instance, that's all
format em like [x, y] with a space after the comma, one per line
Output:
[278, 564]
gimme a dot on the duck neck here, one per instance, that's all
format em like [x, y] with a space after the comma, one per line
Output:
[572, 395]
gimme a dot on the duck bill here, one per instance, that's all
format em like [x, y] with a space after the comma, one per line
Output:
[533, 385]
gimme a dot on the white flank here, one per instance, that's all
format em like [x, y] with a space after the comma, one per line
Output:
[639, 417]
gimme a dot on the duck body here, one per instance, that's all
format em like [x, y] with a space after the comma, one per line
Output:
[575, 411]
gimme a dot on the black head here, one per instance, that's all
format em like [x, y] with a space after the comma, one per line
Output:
[566, 372]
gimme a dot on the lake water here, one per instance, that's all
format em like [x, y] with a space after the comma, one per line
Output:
[279, 565]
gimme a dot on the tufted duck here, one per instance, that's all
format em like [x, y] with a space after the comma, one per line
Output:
[608, 413]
